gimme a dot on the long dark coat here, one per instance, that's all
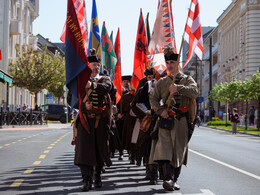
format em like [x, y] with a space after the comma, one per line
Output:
[92, 149]
[129, 122]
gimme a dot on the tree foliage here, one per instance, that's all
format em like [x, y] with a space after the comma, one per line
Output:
[230, 92]
[33, 69]
[59, 78]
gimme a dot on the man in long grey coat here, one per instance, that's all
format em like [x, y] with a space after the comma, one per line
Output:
[172, 145]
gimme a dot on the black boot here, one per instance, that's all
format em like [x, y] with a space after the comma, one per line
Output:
[132, 159]
[153, 174]
[176, 174]
[148, 173]
[121, 155]
[87, 175]
[160, 168]
[97, 177]
[168, 183]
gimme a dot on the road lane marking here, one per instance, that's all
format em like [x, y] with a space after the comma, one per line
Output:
[1, 147]
[14, 142]
[49, 147]
[37, 162]
[42, 157]
[19, 140]
[7, 144]
[17, 183]
[46, 151]
[28, 171]
[52, 144]
[204, 192]
[226, 165]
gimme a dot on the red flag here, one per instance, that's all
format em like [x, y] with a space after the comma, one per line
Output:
[118, 77]
[0, 54]
[193, 31]
[141, 48]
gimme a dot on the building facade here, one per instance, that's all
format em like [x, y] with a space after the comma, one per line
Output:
[235, 51]
[16, 21]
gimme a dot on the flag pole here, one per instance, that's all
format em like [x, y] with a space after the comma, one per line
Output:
[178, 61]
[175, 72]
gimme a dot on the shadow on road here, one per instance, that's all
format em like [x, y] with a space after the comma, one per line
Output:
[64, 178]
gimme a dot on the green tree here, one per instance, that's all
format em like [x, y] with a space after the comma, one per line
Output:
[250, 90]
[59, 78]
[33, 69]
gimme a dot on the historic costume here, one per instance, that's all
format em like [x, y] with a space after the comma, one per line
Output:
[120, 121]
[128, 126]
[173, 135]
[91, 151]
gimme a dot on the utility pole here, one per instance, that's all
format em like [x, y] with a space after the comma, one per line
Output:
[196, 78]
[210, 78]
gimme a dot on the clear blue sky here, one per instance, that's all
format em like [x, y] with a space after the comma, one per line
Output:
[124, 14]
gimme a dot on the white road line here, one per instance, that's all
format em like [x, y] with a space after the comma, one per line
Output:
[227, 165]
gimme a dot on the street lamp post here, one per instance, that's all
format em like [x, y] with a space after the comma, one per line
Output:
[210, 78]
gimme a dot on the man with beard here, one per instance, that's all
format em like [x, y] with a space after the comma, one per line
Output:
[91, 136]
[172, 145]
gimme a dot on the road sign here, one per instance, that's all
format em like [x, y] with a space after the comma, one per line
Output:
[200, 100]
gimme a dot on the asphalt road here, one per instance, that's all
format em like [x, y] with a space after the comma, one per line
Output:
[41, 162]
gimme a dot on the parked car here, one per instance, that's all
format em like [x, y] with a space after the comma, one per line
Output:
[57, 112]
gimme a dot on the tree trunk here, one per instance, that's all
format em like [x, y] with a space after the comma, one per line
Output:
[258, 114]
[58, 100]
[246, 114]
[35, 99]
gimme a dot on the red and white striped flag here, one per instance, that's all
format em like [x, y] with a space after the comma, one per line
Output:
[193, 32]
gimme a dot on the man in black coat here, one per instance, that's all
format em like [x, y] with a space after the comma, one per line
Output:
[91, 151]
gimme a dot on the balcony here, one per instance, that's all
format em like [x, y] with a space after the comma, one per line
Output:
[15, 27]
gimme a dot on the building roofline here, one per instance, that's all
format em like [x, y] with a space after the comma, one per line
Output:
[225, 12]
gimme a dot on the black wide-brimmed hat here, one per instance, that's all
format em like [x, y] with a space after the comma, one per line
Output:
[94, 57]
[127, 77]
[170, 55]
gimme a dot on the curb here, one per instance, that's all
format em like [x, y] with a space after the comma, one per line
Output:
[24, 127]
[238, 132]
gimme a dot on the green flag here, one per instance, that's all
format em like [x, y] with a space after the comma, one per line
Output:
[108, 54]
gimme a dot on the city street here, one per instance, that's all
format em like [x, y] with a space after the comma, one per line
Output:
[41, 162]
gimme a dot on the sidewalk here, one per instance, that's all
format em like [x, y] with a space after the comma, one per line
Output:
[238, 132]
[36, 127]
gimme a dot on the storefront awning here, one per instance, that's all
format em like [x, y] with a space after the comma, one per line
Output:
[4, 77]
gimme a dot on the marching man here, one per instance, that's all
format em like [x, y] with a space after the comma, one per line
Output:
[173, 136]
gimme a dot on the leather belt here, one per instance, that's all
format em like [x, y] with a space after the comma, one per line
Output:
[95, 116]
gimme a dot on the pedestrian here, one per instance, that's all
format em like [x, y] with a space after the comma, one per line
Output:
[234, 120]
[92, 127]
[36, 107]
[24, 107]
[206, 115]
[252, 116]
[172, 145]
